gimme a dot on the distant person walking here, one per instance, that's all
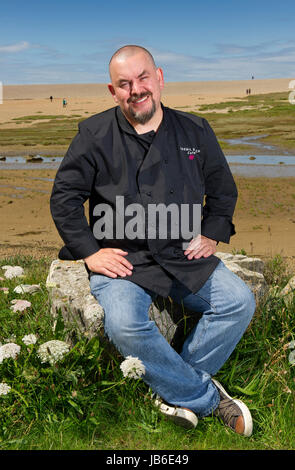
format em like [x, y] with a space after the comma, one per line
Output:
[64, 103]
[51, 98]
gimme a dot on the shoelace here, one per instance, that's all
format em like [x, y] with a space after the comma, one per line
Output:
[228, 411]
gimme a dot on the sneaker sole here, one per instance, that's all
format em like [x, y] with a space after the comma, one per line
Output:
[180, 416]
[248, 422]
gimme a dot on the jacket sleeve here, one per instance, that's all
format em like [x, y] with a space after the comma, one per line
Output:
[72, 187]
[220, 190]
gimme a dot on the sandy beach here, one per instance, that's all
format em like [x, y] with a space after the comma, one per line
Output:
[24, 100]
[264, 217]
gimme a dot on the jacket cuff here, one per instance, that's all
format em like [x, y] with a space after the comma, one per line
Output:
[217, 228]
[74, 253]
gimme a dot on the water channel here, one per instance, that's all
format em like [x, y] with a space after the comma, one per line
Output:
[250, 165]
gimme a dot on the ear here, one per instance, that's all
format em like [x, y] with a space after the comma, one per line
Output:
[160, 77]
[112, 91]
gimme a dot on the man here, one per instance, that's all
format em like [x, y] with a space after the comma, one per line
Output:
[148, 155]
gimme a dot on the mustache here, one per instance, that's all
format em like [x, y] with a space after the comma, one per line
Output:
[136, 97]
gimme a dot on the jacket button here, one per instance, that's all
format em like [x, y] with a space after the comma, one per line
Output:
[171, 191]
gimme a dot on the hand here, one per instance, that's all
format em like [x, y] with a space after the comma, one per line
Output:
[109, 262]
[200, 246]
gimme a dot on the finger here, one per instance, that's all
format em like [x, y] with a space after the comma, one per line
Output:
[203, 253]
[108, 273]
[197, 253]
[118, 268]
[194, 244]
[119, 251]
[124, 262]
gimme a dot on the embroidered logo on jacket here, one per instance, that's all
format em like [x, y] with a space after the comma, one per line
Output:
[190, 152]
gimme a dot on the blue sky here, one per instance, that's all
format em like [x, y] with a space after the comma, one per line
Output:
[71, 41]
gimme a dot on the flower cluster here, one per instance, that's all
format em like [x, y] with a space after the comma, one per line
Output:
[26, 288]
[12, 271]
[29, 339]
[9, 350]
[4, 388]
[53, 351]
[132, 367]
[20, 305]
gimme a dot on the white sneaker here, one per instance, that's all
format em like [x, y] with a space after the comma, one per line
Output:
[181, 416]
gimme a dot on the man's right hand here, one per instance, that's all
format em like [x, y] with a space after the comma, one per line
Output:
[109, 262]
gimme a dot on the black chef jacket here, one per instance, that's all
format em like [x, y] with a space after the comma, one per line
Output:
[181, 163]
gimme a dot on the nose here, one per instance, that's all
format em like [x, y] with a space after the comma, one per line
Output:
[135, 88]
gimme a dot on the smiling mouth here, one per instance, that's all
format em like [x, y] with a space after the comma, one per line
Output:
[139, 100]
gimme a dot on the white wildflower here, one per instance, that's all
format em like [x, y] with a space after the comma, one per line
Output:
[4, 388]
[29, 339]
[53, 351]
[51, 284]
[12, 271]
[292, 357]
[11, 339]
[291, 345]
[26, 288]
[9, 350]
[20, 305]
[132, 367]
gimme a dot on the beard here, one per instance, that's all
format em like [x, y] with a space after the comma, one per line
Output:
[141, 117]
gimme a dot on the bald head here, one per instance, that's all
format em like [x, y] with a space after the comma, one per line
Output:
[136, 85]
[125, 52]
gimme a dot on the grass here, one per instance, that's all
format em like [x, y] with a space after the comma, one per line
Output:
[82, 403]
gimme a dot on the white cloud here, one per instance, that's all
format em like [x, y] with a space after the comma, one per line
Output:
[12, 48]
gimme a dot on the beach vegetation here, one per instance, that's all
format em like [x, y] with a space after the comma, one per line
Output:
[73, 396]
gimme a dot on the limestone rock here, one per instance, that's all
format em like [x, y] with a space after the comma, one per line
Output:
[69, 293]
[288, 291]
[248, 269]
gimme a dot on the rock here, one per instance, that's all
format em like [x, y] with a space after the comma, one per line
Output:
[69, 293]
[248, 269]
[288, 291]
[34, 159]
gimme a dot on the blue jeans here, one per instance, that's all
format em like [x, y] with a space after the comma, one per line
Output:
[227, 306]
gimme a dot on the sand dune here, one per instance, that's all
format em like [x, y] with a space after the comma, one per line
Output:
[92, 90]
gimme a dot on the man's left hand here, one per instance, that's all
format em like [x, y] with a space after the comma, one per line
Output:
[200, 246]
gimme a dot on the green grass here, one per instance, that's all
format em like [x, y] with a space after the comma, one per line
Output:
[82, 403]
